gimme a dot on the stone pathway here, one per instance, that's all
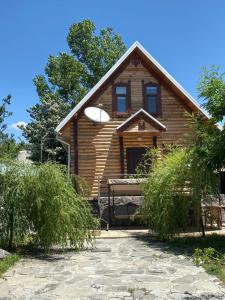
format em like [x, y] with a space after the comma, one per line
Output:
[127, 269]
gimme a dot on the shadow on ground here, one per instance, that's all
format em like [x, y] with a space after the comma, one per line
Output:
[186, 245]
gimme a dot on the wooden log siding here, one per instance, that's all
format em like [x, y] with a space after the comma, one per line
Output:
[98, 144]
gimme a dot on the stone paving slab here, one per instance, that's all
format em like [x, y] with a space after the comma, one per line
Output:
[122, 268]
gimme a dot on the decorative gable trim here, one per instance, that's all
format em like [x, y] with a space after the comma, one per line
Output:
[136, 48]
[141, 114]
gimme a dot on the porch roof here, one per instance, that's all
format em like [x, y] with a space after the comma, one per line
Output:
[141, 114]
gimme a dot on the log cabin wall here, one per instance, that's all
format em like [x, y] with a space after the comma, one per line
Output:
[98, 145]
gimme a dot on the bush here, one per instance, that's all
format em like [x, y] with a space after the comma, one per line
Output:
[167, 203]
[212, 260]
[81, 186]
[8, 262]
[40, 204]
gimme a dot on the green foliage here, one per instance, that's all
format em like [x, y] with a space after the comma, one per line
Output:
[211, 141]
[4, 113]
[212, 90]
[8, 146]
[81, 186]
[206, 143]
[9, 149]
[195, 168]
[8, 262]
[208, 252]
[177, 183]
[164, 194]
[39, 203]
[148, 160]
[190, 243]
[96, 53]
[212, 260]
[68, 78]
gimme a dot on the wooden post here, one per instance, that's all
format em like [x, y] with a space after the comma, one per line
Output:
[109, 206]
[75, 147]
[121, 155]
[154, 140]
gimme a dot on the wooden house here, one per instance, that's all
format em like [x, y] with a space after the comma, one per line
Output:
[147, 108]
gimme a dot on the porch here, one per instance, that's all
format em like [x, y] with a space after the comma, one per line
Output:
[119, 207]
[119, 195]
[123, 198]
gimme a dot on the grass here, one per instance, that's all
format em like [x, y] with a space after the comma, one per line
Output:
[187, 245]
[217, 270]
[190, 243]
[8, 262]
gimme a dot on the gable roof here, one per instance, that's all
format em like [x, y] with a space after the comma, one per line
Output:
[157, 68]
[141, 113]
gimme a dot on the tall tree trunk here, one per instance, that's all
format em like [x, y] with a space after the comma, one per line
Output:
[202, 225]
[11, 226]
[201, 217]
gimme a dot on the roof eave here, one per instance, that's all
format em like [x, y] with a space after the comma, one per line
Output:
[140, 112]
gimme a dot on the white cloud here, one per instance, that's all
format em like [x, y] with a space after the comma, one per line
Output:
[20, 123]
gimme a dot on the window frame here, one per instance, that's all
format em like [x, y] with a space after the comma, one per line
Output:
[158, 98]
[114, 99]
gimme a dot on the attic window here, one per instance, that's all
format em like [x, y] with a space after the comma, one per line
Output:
[151, 98]
[121, 99]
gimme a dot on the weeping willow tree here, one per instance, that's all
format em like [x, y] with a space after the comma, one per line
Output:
[174, 191]
[39, 203]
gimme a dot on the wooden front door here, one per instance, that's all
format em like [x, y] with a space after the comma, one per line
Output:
[134, 158]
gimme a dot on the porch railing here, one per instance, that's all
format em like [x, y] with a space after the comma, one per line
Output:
[102, 181]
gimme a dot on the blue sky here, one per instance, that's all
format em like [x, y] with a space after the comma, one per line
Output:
[183, 35]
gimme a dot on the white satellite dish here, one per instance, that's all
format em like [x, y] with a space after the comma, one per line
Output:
[96, 114]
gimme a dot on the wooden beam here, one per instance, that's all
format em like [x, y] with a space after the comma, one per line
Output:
[75, 131]
[121, 155]
[154, 140]
[109, 206]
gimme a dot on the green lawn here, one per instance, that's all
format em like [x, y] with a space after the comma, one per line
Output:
[187, 245]
[8, 262]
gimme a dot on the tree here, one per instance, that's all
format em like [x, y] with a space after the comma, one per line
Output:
[212, 90]
[8, 146]
[210, 140]
[4, 113]
[67, 79]
[39, 204]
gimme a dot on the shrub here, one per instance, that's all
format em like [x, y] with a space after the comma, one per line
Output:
[174, 191]
[8, 262]
[81, 186]
[212, 260]
[40, 203]
[166, 201]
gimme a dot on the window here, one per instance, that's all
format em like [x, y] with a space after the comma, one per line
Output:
[151, 98]
[120, 99]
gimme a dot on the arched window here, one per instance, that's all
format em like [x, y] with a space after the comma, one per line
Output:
[151, 95]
